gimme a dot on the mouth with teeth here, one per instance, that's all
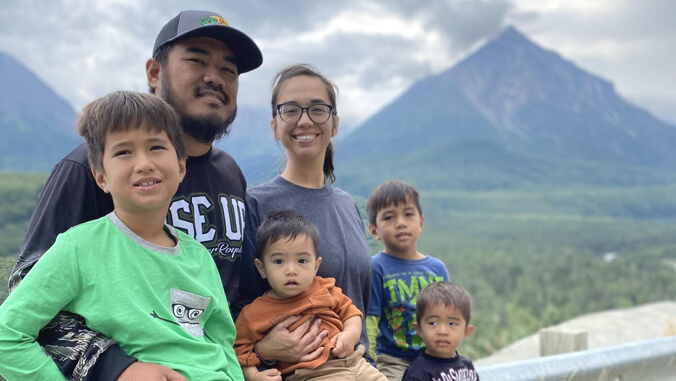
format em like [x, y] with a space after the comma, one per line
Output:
[305, 137]
[147, 183]
[214, 95]
[291, 283]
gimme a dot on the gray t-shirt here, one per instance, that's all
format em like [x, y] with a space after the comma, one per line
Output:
[343, 247]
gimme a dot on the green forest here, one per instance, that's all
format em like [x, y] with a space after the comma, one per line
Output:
[530, 259]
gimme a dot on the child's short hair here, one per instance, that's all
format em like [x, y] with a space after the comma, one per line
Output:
[448, 293]
[125, 111]
[284, 224]
[389, 193]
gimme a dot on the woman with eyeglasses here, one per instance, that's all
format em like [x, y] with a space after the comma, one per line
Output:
[304, 119]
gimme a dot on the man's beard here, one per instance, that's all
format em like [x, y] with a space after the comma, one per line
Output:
[204, 129]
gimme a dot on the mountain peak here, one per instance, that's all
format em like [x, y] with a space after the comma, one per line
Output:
[512, 39]
[512, 34]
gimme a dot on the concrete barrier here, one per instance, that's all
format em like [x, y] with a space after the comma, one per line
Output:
[649, 360]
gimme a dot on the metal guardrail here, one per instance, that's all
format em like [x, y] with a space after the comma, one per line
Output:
[649, 360]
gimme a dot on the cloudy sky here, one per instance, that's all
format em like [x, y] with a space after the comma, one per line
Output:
[374, 50]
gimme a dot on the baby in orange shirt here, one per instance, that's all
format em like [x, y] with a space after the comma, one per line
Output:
[287, 255]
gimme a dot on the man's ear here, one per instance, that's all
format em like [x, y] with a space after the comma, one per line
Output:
[468, 330]
[100, 178]
[153, 69]
[422, 222]
[374, 232]
[260, 266]
[416, 326]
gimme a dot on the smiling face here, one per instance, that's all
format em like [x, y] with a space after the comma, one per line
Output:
[443, 329]
[289, 265]
[141, 170]
[398, 226]
[304, 140]
[200, 80]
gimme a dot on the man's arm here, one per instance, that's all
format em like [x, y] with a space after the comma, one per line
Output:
[70, 197]
[251, 285]
[28, 308]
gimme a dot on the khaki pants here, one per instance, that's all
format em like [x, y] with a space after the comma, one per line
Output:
[352, 368]
[392, 367]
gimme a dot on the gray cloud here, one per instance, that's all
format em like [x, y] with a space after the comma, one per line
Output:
[87, 49]
[464, 23]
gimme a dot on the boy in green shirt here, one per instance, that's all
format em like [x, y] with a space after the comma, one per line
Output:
[151, 288]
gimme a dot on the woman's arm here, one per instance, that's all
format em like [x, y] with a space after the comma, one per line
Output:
[300, 345]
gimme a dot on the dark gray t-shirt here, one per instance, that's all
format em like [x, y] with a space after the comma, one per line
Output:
[343, 247]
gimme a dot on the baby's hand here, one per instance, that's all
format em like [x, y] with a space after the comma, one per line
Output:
[344, 344]
[268, 375]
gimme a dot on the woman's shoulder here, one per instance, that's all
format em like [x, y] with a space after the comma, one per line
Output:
[264, 197]
[342, 195]
[265, 188]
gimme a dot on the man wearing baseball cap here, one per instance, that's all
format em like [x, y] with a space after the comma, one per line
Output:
[197, 60]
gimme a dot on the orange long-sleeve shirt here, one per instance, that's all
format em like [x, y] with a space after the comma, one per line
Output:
[322, 299]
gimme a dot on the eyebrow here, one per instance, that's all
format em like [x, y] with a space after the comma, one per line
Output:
[157, 140]
[119, 145]
[126, 143]
[196, 50]
[312, 102]
[454, 318]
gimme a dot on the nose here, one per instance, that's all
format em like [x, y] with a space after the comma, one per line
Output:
[213, 76]
[291, 269]
[144, 163]
[401, 221]
[305, 118]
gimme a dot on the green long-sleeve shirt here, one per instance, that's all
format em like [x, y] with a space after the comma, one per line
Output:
[162, 305]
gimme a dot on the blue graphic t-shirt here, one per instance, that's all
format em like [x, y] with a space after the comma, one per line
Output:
[395, 286]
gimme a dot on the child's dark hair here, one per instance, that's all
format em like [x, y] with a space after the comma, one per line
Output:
[284, 224]
[391, 192]
[125, 111]
[448, 293]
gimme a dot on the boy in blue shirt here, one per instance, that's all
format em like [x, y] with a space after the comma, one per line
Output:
[400, 272]
[151, 288]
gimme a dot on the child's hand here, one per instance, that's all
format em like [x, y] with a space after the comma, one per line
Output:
[344, 344]
[268, 375]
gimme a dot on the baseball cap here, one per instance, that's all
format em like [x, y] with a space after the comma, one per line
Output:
[209, 24]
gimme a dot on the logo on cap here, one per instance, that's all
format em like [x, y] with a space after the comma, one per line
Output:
[208, 20]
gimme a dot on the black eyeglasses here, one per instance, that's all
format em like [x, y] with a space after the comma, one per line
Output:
[318, 113]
